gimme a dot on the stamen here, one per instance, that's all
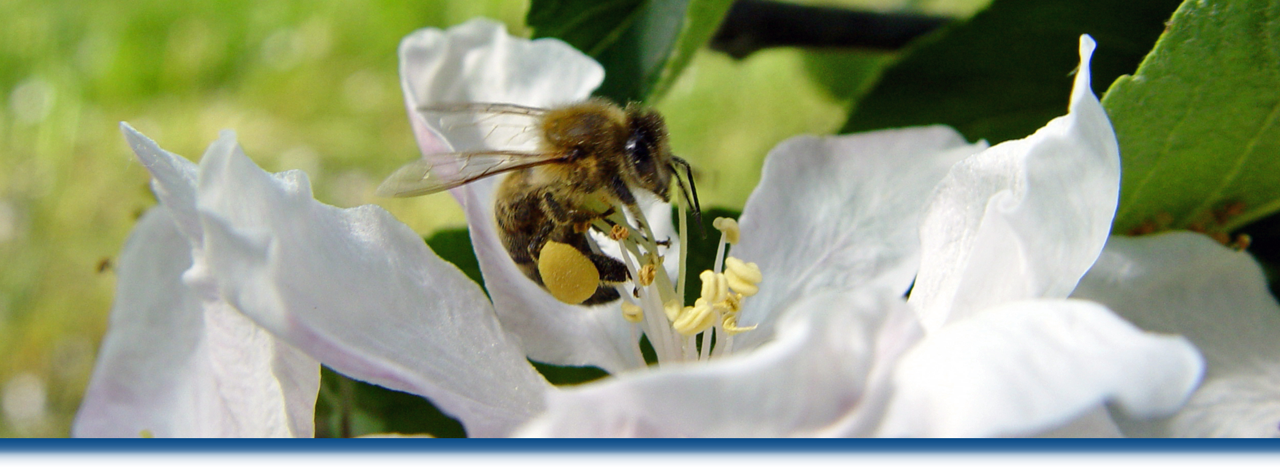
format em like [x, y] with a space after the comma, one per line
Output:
[646, 274]
[715, 288]
[673, 310]
[730, 324]
[742, 276]
[729, 228]
[659, 310]
[619, 233]
[632, 312]
[696, 318]
[681, 275]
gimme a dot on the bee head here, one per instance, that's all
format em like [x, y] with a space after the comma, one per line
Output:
[650, 164]
[648, 157]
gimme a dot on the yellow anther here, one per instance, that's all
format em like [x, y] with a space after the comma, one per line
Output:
[749, 272]
[146, 434]
[714, 287]
[732, 303]
[619, 233]
[632, 312]
[742, 277]
[730, 324]
[729, 228]
[673, 310]
[695, 319]
[646, 274]
[567, 273]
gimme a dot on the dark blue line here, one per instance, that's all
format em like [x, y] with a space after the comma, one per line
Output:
[647, 446]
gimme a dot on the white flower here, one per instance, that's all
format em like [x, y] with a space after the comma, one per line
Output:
[833, 227]
[178, 360]
[997, 352]
[1190, 284]
[353, 288]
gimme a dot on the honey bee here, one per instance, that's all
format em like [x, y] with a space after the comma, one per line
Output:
[588, 151]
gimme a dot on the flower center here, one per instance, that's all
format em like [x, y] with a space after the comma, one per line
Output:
[654, 303]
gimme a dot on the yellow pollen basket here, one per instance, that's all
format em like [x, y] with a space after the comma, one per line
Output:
[567, 273]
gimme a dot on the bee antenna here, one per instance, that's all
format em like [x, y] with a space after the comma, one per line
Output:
[676, 163]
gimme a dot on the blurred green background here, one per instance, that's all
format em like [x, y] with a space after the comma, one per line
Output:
[308, 85]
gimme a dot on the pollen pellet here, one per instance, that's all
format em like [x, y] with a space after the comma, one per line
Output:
[567, 273]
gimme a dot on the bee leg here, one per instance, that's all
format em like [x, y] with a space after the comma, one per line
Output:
[563, 215]
[604, 294]
[620, 189]
[539, 239]
[611, 270]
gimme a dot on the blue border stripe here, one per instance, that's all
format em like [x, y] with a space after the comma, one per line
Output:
[648, 446]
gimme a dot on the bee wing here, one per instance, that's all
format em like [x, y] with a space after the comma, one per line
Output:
[477, 127]
[439, 172]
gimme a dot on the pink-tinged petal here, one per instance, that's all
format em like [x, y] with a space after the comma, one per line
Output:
[1188, 284]
[174, 366]
[1024, 219]
[806, 382]
[1033, 366]
[841, 212]
[479, 62]
[359, 291]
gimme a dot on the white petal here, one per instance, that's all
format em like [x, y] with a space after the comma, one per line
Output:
[549, 330]
[359, 291]
[840, 212]
[808, 380]
[1095, 423]
[173, 179]
[1024, 219]
[479, 62]
[1189, 284]
[1028, 367]
[172, 366]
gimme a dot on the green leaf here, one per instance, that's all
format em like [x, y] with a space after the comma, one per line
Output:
[454, 246]
[1197, 123]
[367, 409]
[1007, 71]
[643, 45]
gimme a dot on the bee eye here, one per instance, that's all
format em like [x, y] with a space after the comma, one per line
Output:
[637, 148]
